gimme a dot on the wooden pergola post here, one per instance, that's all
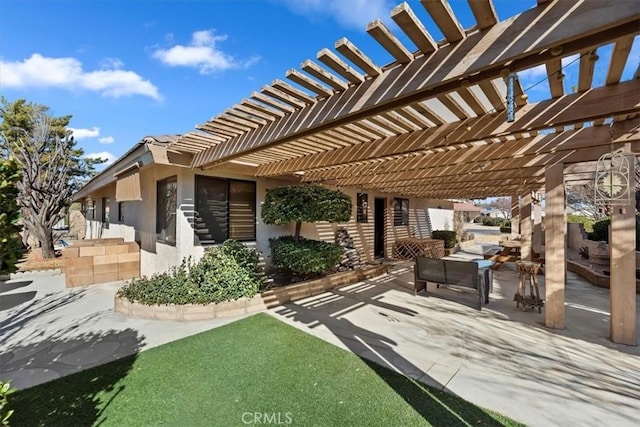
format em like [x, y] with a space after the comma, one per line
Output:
[555, 246]
[515, 215]
[623, 266]
[525, 227]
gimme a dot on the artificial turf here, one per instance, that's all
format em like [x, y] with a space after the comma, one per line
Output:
[254, 371]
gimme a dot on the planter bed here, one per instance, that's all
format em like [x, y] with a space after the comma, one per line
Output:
[285, 294]
[260, 302]
[601, 280]
[189, 312]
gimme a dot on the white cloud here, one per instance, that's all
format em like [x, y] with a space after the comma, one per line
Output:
[94, 132]
[111, 64]
[110, 157]
[352, 13]
[67, 73]
[203, 54]
[106, 140]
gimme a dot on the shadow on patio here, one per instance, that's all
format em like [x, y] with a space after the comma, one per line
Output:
[500, 358]
[328, 313]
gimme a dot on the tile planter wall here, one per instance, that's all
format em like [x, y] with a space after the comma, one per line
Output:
[285, 294]
[189, 312]
[260, 302]
[100, 261]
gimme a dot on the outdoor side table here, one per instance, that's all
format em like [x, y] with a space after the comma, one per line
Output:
[528, 271]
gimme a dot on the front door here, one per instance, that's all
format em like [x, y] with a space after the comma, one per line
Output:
[378, 227]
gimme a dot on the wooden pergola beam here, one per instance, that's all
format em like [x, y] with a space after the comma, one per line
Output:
[619, 58]
[408, 22]
[484, 13]
[519, 43]
[355, 55]
[292, 91]
[389, 42]
[444, 18]
[339, 66]
[543, 115]
[306, 82]
[323, 75]
[522, 153]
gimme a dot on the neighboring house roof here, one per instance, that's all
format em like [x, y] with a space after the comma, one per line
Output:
[467, 207]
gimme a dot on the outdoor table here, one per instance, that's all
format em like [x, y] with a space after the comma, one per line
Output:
[510, 252]
[528, 271]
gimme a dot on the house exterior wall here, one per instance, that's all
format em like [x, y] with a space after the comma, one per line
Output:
[140, 219]
[423, 218]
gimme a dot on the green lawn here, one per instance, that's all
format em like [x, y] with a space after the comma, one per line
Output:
[234, 375]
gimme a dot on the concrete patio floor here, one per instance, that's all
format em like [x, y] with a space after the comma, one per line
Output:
[48, 331]
[500, 358]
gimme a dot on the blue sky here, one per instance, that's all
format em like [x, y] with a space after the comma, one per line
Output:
[128, 69]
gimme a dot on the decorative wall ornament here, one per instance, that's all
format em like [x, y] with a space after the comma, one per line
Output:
[613, 179]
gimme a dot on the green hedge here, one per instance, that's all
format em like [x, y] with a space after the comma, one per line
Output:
[601, 231]
[224, 273]
[305, 256]
[581, 219]
[505, 229]
[448, 236]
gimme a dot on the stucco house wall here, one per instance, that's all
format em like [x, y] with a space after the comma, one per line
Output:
[139, 222]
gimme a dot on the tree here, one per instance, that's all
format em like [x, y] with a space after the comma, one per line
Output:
[52, 167]
[305, 203]
[10, 245]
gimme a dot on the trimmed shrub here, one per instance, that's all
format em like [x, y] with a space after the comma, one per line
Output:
[581, 219]
[306, 256]
[505, 229]
[600, 231]
[478, 220]
[496, 222]
[448, 236]
[305, 203]
[224, 273]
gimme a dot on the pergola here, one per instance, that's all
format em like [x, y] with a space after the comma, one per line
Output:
[433, 123]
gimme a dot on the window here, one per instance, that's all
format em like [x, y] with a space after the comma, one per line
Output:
[121, 211]
[400, 212]
[362, 213]
[105, 212]
[166, 205]
[91, 209]
[225, 209]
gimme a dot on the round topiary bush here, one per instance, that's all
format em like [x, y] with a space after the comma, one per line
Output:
[448, 236]
[224, 273]
[305, 256]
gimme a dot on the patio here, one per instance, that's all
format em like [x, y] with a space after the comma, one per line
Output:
[501, 358]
